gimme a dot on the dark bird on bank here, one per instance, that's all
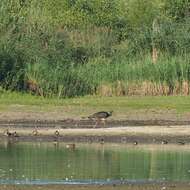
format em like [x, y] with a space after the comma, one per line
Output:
[102, 141]
[56, 133]
[100, 116]
[164, 142]
[35, 132]
[15, 134]
[181, 143]
[9, 134]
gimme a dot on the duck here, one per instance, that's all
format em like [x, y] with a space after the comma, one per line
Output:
[164, 142]
[9, 134]
[56, 133]
[71, 146]
[15, 134]
[35, 132]
[102, 141]
[181, 143]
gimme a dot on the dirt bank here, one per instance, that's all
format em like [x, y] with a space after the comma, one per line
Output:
[167, 186]
[142, 126]
[83, 131]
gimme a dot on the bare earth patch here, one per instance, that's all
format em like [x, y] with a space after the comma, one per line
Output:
[144, 126]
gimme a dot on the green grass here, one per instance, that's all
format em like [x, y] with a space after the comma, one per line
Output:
[12, 101]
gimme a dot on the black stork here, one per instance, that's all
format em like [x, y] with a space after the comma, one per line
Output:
[100, 116]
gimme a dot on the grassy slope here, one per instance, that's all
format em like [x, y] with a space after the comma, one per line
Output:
[124, 107]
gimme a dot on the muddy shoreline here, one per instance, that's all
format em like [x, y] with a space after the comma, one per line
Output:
[162, 186]
[124, 139]
[116, 131]
[85, 123]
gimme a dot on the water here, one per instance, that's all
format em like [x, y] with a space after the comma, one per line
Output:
[47, 163]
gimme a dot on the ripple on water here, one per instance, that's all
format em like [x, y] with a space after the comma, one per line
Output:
[77, 182]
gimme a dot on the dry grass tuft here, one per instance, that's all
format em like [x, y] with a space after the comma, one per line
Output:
[145, 88]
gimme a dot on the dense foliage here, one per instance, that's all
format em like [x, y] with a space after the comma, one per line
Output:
[67, 48]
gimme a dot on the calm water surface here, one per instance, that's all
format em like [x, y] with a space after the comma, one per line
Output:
[46, 163]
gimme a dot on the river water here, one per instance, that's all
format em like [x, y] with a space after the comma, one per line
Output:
[42, 163]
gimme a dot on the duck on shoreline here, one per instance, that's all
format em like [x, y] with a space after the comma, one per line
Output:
[9, 134]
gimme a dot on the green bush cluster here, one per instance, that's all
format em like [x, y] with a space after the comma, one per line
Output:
[69, 48]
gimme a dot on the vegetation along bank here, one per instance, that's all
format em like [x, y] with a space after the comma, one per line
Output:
[67, 48]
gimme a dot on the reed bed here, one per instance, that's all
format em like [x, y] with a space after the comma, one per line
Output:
[170, 76]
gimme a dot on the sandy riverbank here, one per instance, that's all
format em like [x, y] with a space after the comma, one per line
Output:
[62, 131]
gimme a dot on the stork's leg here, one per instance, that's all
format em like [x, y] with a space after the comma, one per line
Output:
[104, 122]
[96, 124]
